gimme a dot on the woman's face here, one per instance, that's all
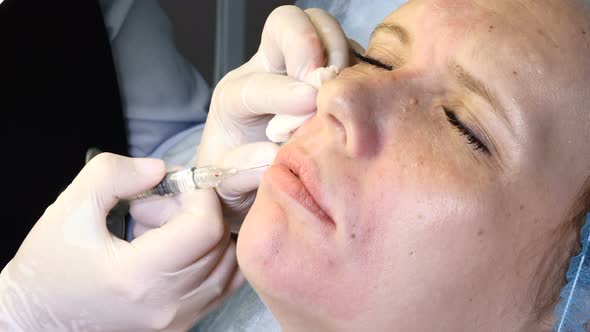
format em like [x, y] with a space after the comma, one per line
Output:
[423, 197]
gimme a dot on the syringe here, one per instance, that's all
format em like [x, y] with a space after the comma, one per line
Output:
[184, 180]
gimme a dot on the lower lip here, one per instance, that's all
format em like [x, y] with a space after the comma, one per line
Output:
[285, 181]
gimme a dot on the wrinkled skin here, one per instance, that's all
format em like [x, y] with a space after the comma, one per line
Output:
[428, 233]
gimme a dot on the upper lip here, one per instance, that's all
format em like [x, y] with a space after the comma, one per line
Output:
[306, 170]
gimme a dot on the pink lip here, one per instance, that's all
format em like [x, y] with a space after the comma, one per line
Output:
[295, 174]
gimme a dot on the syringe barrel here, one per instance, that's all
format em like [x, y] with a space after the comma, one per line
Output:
[185, 180]
[178, 182]
[207, 177]
[173, 183]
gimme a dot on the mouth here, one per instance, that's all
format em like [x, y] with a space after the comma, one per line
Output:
[297, 175]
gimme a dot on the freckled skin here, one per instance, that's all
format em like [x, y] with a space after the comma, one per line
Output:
[430, 234]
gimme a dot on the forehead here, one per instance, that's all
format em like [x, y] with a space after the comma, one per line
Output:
[524, 49]
[448, 24]
[521, 30]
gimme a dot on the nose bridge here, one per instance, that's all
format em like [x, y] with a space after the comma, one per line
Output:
[358, 106]
[344, 97]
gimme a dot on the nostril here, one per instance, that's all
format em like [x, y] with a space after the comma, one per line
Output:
[337, 124]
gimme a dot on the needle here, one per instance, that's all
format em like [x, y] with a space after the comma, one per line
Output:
[255, 167]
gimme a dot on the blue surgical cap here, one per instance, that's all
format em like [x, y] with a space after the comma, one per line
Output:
[573, 310]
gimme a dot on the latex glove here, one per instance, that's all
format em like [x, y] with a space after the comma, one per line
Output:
[294, 43]
[150, 214]
[71, 274]
[282, 126]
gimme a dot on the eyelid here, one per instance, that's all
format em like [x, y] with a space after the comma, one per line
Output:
[474, 128]
[372, 61]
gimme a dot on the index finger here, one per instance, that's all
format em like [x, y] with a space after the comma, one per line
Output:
[186, 237]
[290, 44]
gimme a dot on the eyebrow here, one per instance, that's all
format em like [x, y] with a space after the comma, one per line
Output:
[465, 78]
[468, 81]
[396, 30]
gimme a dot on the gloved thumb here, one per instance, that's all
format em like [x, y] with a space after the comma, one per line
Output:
[237, 192]
[109, 177]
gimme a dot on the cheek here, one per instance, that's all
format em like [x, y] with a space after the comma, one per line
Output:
[409, 214]
[417, 179]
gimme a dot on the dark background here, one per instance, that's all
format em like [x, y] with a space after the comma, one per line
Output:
[53, 83]
[194, 28]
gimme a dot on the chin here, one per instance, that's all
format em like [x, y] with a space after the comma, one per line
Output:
[291, 263]
[257, 244]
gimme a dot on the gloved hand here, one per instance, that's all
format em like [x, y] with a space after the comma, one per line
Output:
[294, 43]
[149, 214]
[282, 126]
[71, 274]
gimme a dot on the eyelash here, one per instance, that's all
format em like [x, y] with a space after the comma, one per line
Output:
[464, 131]
[372, 61]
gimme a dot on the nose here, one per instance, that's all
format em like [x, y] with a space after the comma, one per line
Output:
[351, 106]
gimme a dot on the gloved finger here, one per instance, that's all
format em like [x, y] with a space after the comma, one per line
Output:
[213, 284]
[237, 281]
[281, 127]
[320, 75]
[193, 276]
[264, 93]
[355, 46]
[186, 237]
[222, 280]
[289, 44]
[153, 213]
[237, 193]
[108, 177]
[244, 157]
[140, 229]
[333, 37]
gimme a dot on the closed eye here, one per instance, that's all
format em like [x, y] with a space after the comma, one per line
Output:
[471, 138]
[372, 61]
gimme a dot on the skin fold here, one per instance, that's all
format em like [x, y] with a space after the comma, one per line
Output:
[428, 232]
